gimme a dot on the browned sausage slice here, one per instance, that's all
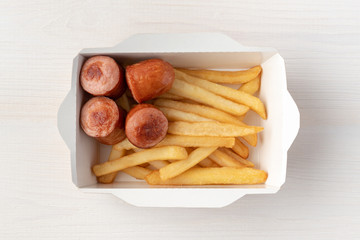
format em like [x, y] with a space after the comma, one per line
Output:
[102, 76]
[145, 126]
[149, 79]
[103, 119]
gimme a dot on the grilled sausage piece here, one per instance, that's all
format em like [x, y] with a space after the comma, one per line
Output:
[103, 119]
[102, 76]
[149, 79]
[145, 126]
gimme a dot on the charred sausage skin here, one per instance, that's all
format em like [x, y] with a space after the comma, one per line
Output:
[149, 79]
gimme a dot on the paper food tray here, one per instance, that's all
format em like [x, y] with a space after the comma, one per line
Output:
[197, 50]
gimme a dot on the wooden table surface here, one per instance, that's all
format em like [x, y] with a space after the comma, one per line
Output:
[320, 41]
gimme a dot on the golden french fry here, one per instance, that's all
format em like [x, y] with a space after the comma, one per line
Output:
[215, 129]
[235, 156]
[189, 149]
[114, 154]
[201, 110]
[224, 76]
[123, 102]
[178, 167]
[186, 100]
[199, 94]
[170, 96]
[241, 118]
[224, 160]
[177, 115]
[235, 95]
[147, 155]
[197, 141]
[207, 163]
[185, 141]
[124, 144]
[252, 86]
[157, 163]
[241, 149]
[208, 176]
[137, 172]
[251, 139]
[207, 112]
[144, 165]
[108, 178]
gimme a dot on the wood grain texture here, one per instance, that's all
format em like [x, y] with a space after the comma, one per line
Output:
[320, 41]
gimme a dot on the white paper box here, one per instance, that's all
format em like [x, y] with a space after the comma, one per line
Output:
[198, 50]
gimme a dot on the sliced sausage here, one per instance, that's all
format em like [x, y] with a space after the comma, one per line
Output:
[103, 119]
[149, 79]
[145, 126]
[102, 76]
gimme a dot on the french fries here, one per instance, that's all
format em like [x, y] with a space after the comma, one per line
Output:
[215, 129]
[170, 96]
[235, 156]
[241, 149]
[114, 154]
[185, 141]
[189, 149]
[234, 77]
[178, 167]
[144, 165]
[157, 163]
[203, 143]
[207, 176]
[137, 172]
[207, 112]
[201, 110]
[148, 155]
[251, 139]
[123, 102]
[124, 144]
[252, 86]
[199, 94]
[224, 160]
[235, 95]
[207, 163]
[241, 118]
[177, 115]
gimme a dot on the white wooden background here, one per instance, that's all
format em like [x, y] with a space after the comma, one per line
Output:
[320, 41]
